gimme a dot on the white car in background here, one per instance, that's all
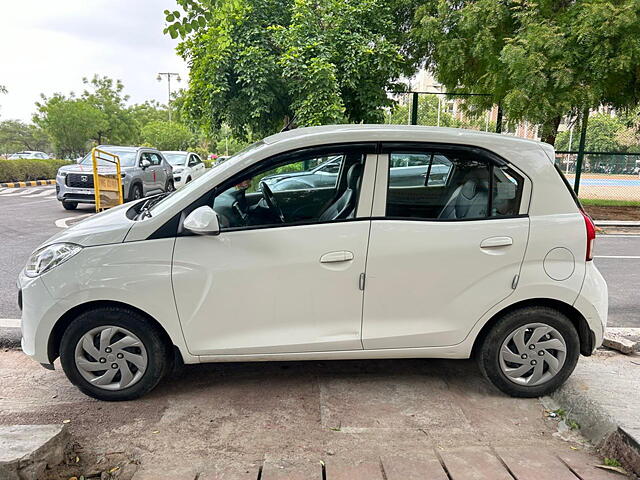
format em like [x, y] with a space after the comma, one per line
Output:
[187, 166]
[30, 154]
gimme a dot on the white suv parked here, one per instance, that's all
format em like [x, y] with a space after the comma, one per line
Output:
[489, 258]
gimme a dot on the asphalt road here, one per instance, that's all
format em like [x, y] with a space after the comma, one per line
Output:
[28, 217]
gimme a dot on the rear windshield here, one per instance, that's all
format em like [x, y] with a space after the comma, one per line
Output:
[566, 183]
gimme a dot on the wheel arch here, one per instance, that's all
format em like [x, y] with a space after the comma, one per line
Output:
[53, 345]
[587, 337]
[134, 183]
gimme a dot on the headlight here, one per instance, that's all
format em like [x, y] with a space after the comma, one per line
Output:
[177, 170]
[62, 174]
[46, 258]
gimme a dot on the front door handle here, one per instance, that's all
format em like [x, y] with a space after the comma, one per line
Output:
[339, 256]
[493, 242]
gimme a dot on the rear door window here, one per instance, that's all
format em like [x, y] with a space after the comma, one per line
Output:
[450, 185]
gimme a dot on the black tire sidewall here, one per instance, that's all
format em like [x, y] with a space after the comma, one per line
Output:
[488, 355]
[134, 189]
[157, 351]
[69, 205]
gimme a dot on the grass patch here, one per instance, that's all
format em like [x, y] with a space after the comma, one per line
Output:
[597, 202]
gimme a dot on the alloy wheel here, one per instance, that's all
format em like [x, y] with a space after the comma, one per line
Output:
[532, 354]
[110, 357]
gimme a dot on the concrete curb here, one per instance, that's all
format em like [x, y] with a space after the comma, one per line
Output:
[601, 397]
[617, 223]
[30, 183]
[27, 450]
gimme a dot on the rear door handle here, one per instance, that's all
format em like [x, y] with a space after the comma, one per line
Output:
[339, 256]
[493, 242]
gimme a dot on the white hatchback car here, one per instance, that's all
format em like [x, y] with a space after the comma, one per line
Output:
[491, 258]
[187, 166]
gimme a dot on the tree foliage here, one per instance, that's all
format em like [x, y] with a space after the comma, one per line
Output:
[70, 123]
[16, 135]
[605, 133]
[540, 59]
[259, 65]
[106, 95]
[166, 136]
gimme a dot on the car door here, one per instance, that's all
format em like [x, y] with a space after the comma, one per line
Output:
[443, 249]
[267, 286]
[196, 166]
[148, 177]
[158, 171]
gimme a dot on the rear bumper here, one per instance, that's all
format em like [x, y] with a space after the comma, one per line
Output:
[593, 302]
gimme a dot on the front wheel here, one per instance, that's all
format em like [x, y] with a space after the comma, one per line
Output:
[114, 354]
[169, 187]
[530, 352]
[69, 205]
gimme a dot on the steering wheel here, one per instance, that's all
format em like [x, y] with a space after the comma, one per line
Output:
[272, 203]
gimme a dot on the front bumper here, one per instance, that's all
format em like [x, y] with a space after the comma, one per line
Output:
[65, 193]
[39, 314]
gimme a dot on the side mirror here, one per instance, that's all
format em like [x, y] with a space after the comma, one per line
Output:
[202, 221]
[145, 163]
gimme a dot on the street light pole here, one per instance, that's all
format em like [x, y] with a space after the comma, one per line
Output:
[168, 75]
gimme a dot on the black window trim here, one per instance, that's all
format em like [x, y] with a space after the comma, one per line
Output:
[173, 227]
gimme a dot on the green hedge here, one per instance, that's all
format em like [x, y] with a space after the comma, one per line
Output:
[24, 169]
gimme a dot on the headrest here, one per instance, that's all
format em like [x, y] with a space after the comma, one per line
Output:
[469, 188]
[353, 175]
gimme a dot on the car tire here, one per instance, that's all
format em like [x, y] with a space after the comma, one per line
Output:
[135, 193]
[169, 187]
[510, 354]
[133, 347]
[69, 205]
[187, 180]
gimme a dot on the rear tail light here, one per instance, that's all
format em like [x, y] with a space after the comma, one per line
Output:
[591, 234]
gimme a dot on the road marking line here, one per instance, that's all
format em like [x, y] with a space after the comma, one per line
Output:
[62, 222]
[9, 323]
[14, 192]
[618, 256]
[45, 193]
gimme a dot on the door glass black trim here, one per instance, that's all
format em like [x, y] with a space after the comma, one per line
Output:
[172, 227]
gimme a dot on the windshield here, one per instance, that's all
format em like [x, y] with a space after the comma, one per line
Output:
[167, 201]
[127, 158]
[175, 158]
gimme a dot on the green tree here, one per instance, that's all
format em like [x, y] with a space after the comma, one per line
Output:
[540, 59]
[261, 65]
[106, 95]
[166, 136]
[70, 123]
[427, 113]
[16, 135]
[604, 134]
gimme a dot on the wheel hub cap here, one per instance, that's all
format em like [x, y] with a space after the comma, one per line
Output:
[532, 354]
[111, 358]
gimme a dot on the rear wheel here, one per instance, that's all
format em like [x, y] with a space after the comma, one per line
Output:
[69, 205]
[530, 352]
[114, 354]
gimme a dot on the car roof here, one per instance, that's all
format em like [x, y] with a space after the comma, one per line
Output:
[404, 133]
[175, 151]
[127, 148]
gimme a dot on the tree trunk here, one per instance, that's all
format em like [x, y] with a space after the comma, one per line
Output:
[550, 130]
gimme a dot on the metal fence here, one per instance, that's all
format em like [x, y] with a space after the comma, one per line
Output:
[611, 176]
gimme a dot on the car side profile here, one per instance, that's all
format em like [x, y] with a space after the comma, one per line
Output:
[187, 166]
[30, 154]
[144, 172]
[484, 252]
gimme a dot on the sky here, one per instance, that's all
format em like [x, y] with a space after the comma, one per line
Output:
[48, 46]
